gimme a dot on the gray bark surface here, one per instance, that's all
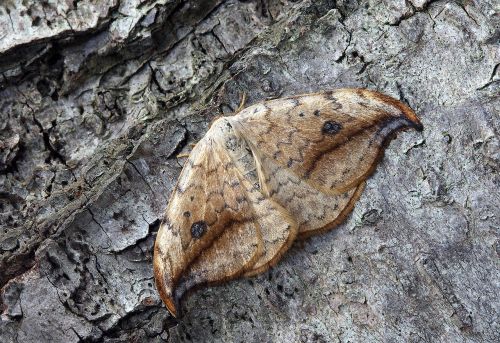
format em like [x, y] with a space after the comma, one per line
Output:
[98, 97]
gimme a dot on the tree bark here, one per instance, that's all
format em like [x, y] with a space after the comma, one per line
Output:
[98, 97]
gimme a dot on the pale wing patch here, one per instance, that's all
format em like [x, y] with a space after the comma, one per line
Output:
[277, 226]
[313, 210]
[278, 229]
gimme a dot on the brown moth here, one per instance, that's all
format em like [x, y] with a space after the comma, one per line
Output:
[276, 171]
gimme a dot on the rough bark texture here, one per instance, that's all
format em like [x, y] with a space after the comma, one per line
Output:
[98, 97]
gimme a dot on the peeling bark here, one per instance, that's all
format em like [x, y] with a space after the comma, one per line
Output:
[98, 98]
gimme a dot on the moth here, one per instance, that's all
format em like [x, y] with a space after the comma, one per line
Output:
[277, 171]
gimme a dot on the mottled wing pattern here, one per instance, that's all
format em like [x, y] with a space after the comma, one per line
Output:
[313, 210]
[276, 171]
[208, 200]
[331, 140]
[218, 225]
[278, 227]
[230, 255]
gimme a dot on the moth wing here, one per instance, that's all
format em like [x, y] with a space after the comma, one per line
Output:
[331, 140]
[228, 257]
[314, 211]
[208, 200]
[278, 228]
[244, 230]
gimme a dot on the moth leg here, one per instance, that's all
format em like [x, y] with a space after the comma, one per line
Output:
[186, 154]
[242, 102]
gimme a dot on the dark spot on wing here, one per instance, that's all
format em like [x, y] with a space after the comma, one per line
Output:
[198, 229]
[231, 143]
[187, 214]
[317, 113]
[166, 223]
[360, 93]
[336, 105]
[331, 127]
[329, 96]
